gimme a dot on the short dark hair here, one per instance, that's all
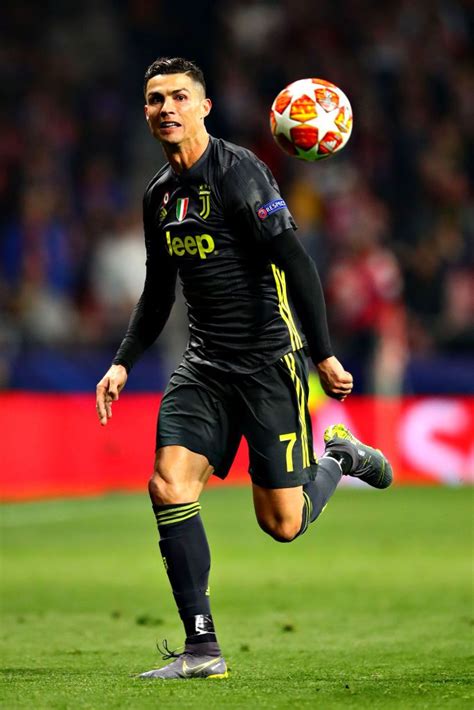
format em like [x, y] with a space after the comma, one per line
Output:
[174, 65]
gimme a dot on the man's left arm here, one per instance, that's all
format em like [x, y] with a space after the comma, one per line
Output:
[306, 292]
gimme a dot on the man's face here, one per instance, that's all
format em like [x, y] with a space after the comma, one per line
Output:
[175, 108]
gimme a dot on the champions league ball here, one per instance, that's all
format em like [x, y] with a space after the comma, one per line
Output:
[311, 119]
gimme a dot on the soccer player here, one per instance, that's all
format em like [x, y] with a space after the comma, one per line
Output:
[214, 215]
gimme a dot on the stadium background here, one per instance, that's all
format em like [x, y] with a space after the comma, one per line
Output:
[373, 607]
[389, 221]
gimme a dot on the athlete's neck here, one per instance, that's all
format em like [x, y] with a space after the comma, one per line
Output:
[184, 156]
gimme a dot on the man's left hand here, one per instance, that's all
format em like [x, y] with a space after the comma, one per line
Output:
[335, 380]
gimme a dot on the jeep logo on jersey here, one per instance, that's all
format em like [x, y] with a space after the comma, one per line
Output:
[182, 208]
[274, 206]
[202, 244]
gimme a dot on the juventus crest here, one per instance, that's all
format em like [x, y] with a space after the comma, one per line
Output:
[205, 199]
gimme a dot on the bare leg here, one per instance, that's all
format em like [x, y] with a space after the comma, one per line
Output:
[279, 511]
[285, 513]
[179, 476]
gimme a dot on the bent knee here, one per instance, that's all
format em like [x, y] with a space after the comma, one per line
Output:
[166, 492]
[281, 530]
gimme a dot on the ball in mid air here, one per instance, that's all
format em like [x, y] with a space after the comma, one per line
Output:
[311, 119]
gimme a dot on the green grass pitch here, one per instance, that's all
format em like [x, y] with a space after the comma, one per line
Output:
[372, 608]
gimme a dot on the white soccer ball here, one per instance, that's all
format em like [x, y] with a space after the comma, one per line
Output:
[311, 119]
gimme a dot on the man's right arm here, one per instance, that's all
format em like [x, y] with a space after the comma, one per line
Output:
[146, 323]
[150, 314]
[152, 310]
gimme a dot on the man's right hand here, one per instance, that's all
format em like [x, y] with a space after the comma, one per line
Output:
[108, 390]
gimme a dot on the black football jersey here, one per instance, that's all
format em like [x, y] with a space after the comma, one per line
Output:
[212, 225]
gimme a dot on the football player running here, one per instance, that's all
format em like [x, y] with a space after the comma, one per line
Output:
[214, 216]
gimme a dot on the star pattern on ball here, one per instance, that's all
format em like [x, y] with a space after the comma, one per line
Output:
[311, 119]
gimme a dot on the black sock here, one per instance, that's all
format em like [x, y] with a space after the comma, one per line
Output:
[317, 493]
[187, 560]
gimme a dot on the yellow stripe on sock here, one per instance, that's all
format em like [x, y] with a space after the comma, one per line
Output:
[308, 503]
[179, 515]
[178, 509]
[178, 512]
[309, 509]
[180, 519]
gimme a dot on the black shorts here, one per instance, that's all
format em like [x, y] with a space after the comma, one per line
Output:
[209, 412]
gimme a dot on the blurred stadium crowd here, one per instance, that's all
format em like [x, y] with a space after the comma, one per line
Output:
[389, 222]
